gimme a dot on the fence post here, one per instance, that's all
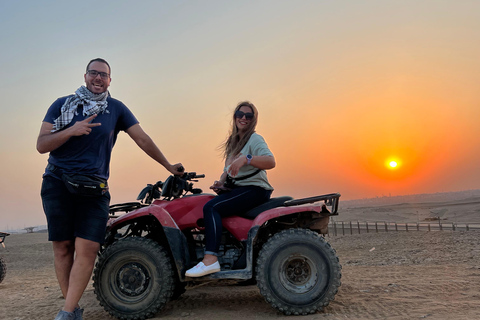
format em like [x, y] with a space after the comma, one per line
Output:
[406, 226]
[440, 225]
[358, 225]
[343, 229]
[429, 227]
[453, 226]
[386, 227]
[396, 227]
[418, 226]
[376, 226]
[351, 229]
[366, 224]
[466, 226]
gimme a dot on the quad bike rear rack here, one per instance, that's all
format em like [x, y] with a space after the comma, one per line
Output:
[331, 199]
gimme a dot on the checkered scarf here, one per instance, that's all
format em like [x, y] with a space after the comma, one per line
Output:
[92, 104]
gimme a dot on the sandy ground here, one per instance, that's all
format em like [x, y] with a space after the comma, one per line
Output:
[394, 275]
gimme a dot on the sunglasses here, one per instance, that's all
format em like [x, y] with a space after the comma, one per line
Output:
[95, 73]
[239, 115]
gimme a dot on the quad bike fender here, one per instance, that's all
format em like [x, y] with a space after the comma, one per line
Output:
[177, 244]
[158, 212]
[284, 211]
[241, 227]
[319, 223]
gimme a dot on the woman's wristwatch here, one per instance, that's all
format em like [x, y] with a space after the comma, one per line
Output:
[249, 159]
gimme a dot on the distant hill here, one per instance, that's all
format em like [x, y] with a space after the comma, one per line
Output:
[462, 206]
[414, 198]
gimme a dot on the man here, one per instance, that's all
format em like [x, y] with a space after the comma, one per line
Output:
[80, 131]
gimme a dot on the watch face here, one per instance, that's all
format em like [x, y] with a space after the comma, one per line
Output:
[249, 156]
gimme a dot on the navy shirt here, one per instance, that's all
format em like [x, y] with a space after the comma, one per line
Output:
[90, 154]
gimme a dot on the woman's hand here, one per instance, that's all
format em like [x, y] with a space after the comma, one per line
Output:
[218, 186]
[239, 162]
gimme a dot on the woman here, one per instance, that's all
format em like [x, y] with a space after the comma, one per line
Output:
[246, 158]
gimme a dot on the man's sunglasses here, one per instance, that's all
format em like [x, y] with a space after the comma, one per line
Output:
[239, 115]
[95, 73]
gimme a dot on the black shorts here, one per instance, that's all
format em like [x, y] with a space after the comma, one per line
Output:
[70, 216]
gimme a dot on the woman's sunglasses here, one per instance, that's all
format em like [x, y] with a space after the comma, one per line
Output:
[239, 115]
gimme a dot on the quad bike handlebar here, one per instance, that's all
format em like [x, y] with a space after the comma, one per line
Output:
[174, 187]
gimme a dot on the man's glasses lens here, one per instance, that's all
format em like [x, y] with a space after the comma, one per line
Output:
[239, 114]
[95, 73]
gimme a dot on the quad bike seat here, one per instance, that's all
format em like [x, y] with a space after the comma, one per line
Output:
[270, 204]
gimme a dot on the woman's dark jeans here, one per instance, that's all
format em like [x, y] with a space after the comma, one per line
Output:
[235, 202]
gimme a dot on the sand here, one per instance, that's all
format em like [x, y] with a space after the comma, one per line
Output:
[394, 275]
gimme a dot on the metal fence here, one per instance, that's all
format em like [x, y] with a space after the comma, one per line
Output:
[357, 227]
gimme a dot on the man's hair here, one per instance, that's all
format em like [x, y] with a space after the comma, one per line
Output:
[99, 60]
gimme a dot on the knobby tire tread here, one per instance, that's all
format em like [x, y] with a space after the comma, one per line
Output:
[281, 239]
[3, 269]
[139, 244]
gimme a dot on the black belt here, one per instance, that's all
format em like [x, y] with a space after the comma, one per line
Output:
[55, 170]
[246, 177]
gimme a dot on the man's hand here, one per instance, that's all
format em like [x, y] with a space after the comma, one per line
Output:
[176, 169]
[84, 127]
[48, 141]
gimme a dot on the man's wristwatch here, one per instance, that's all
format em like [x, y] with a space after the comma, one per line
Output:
[249, 159]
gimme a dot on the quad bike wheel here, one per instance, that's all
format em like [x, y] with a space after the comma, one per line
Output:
[298, 272]
[133, 278]
[3, 269]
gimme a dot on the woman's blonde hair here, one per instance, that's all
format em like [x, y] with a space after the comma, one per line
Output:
[233, 145]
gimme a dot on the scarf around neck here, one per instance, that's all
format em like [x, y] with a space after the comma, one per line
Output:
[92, 104]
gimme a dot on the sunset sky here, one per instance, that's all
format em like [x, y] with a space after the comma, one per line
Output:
[343, 88]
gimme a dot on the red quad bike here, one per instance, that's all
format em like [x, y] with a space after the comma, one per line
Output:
[279, 244]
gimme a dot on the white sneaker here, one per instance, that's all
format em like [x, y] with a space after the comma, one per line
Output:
[200, 269]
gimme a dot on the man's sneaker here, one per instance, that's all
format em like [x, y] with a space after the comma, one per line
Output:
[78, 314]
[64, 315]
[200, 270]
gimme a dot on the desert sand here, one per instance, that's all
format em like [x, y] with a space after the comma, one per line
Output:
[394, 275]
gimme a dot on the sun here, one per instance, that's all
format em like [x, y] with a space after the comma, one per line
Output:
[392, 163]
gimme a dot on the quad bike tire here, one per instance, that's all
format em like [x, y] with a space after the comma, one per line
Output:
[134, 278]
[298, 272]
[3, 269]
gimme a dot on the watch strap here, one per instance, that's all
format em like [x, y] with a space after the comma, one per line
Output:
[249, 159]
